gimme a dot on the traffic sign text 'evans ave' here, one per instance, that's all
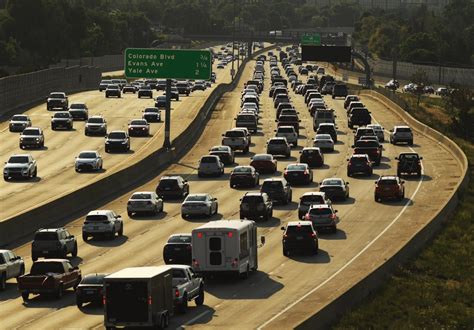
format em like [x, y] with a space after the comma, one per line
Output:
[167, 63]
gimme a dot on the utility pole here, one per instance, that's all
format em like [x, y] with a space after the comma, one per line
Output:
[232, 70]
[167, 142]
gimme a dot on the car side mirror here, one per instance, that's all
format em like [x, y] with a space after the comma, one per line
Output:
[375, 182]
[223, 134]
[75, 268]
[262, 239]
[421, 158]
[347, 183]
[71, 236]
[353, 146]
[402, 181]
[391, 130]
[396, 158]
[282, 228]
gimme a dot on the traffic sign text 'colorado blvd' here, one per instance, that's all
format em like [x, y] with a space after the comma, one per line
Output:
[167, 63]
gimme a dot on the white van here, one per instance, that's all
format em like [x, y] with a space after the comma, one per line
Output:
[225, 246]
[323, 116]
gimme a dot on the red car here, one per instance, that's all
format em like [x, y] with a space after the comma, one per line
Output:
[389, 187]
[264, 163]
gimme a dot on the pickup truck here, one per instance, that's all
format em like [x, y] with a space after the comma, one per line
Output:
[237, 140]
[49, 276]
[372, 148]
[11, 266]
[187, 286]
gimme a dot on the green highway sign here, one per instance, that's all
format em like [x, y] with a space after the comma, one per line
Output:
[313, 39]
[167, 63]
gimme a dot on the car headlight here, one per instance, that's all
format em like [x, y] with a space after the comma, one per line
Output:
[5, 171]
[24, 170]
[124, 142]
[107, 142]
[37, 139]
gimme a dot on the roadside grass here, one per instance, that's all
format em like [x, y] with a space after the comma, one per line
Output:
[436, 289]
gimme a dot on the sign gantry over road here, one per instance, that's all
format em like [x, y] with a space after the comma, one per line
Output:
[311, 39]
[168, 63]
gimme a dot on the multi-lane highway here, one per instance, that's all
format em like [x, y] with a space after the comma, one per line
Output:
[368, 231]
[56, 175]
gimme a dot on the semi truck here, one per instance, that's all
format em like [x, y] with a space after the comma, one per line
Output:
[225, 246]
[138, 297]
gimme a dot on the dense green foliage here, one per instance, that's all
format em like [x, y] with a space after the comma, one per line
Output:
[421, 35]
[436, 290]
[35, 33]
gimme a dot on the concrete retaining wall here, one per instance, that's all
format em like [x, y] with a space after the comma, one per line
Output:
[85, 198]
[21, 91]
[343, 304]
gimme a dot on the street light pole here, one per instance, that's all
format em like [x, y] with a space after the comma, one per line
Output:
[232, 71]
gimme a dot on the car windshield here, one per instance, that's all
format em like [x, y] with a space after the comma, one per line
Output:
[141, 196]
[320, 211]
[196, 198]
[20, 118]
[404, 129]
[310, 151]
[31, 131]
[96, 217]
[90, 155]
[145, 87]
[18, 160]
[365, 131]
[93, 279]
[296, 167]
[298, 230]
[262, 157]
[288, 118]
[323, 137]
[46, 236]
[95, 120]
[42, 268]
[117, 135]
[332, 182]
[359, 160]
[271, 185]
[154, 110]
[312, 199]
[409, 156]
[277, 141]
[209, 160]
[219, 149]
[2, 260]
[387, 182]
[138, 122]
[242, 170]
[252, 199]
[77, 106]
[286, 130]
[367, 144]
[168, 183]
[234, 134]
[61, 115]
[56, 96]
[180, 239]
[178, 273]
[112, 87]
[246, 118]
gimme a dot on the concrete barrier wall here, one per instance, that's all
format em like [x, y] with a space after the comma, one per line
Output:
[21, 91]
[343, 304]
[85, 198]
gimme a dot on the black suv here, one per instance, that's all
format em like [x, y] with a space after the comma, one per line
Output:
[117, 140]
[409, 163]
[339, 90]
[255, 205]
[359, 163]
[312, 156]
[299, 236]
[359, 116]
[278, 190]
[172, 186]
[178, 249]
[55, 242]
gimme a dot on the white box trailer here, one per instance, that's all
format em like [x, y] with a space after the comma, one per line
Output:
[139, 297]
[225, 246]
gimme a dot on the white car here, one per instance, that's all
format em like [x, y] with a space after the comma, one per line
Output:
[378, 130]
[401, 134]
[210, 165]
[144, 202]
[102, 222]
[199, 204]
[323, 142]
[289, 133]
[89, 160]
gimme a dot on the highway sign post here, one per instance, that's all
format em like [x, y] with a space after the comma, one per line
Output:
[311, 39]
[168, 64]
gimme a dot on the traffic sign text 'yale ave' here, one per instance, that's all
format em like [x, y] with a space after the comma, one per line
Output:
[167, 63]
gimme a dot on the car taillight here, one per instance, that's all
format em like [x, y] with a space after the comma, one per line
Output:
[307, 217]
[150, 301]
[286, 172]
[313, 235]
[305, 172]
[349, 164]
[333, 216]
[195, 263]
[285, 236]
[104, 300]
[176, 293]
[368, 163]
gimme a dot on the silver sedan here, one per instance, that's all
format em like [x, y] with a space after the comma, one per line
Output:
[199, 204]
[144, 202]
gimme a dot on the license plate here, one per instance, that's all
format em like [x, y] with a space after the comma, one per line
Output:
[386, 189]
[177, 249]
[89, 291]
[299, 238]
[167, 188]
[45, 252]
[295, 174]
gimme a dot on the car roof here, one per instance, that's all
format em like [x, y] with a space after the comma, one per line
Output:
[254, 193]
[198, 194]
[171, 177]
[94, 151]
[359, 156]
[401, 126]
[118, 131]
[388, 177]
[273, 179]
[299, 223]
[277, 138]
[99, 212]
[48, 260]
[143, 192]
[51, 230]
[320, 206]
[180, 234]
[314, 193]
[340, 179]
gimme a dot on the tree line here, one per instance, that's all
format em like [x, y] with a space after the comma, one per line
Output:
[36, 33]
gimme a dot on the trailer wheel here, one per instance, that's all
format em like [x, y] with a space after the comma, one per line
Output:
[184, 304]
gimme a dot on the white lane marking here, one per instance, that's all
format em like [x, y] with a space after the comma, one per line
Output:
[193, 319]
[353, 258]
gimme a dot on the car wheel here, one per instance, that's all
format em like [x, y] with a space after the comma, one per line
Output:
[59, 292]
[184, 305]
[410, 143]
[79, 303]
[184, 216]
[376, 198]
[3, 283]
[86, 133]
[130, 213]
[286, 253]
[112, 234]
[85, 237]
[34, 257]
[349, 173]
[25, 296]
[217, 209]
[120, 232]
[200, 298]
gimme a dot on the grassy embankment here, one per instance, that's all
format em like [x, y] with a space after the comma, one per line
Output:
[435, 290]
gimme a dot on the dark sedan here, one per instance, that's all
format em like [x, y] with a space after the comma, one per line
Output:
[178, 249]
[298, 174]
[312, 156]
[244, 176]
[264, 163]
[90, 290]
[335, 188]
